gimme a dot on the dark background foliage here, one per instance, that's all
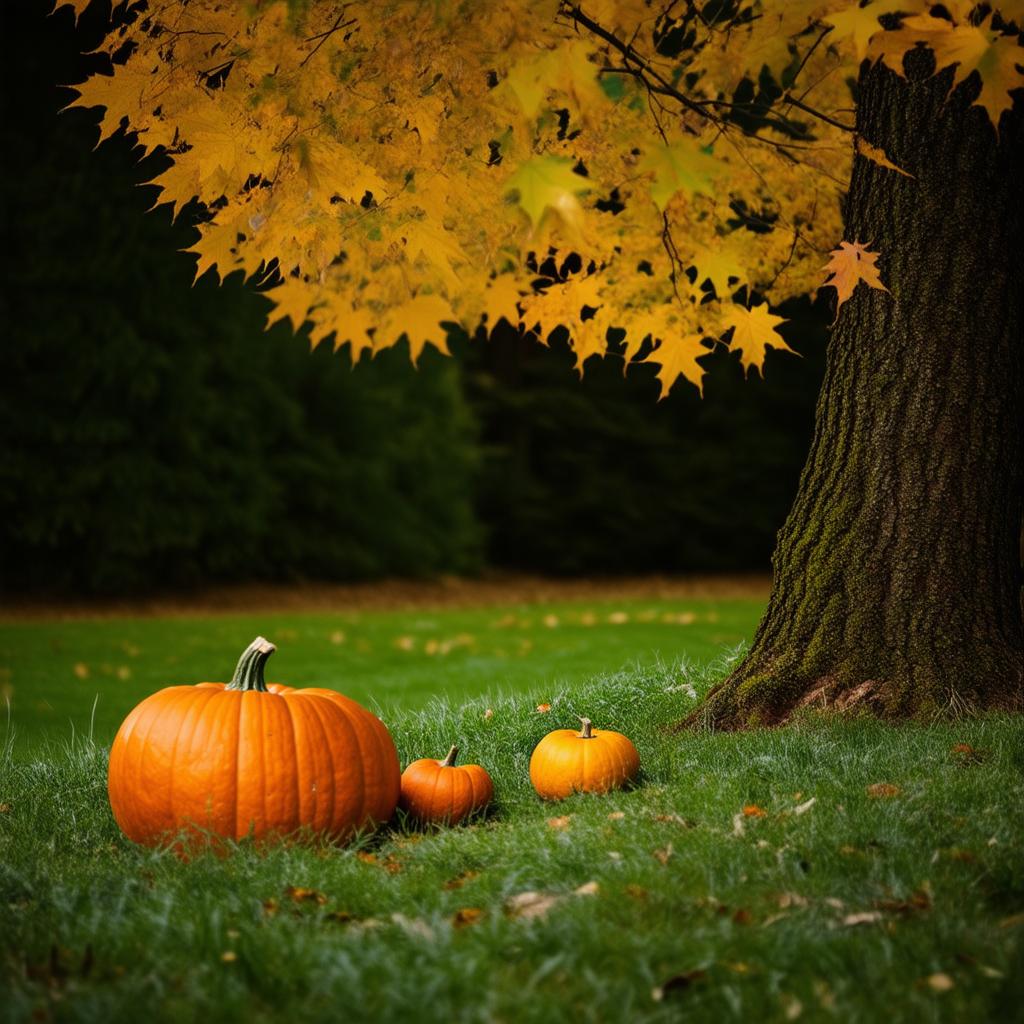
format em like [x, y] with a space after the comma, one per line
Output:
[155, 436]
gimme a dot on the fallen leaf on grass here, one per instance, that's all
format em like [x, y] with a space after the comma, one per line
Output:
[918, 900]
[588, 889]
[338, 637]
[768, 921]
[614, 855]
[270, 907]
[466, 916]
[616, 815]
[678, 983]
[414, 926]
[786, 900]
[81, 670]
[460, 880]
[940, 982]
[835, 904]
[805, 807]
[742, 916]
[5, 808]
[340, 916]
[488, 714]
[301, 894]
[636, 892]
[753, 811]
[390, 864]
[791, 1006]
[965, 754]
[675, 819]
[1012, 921]
[864, 917]
[543, 708]
[882, 790]
[663, 856]
[530, 905]
[560, 823]
[229, 956]
[737, 824]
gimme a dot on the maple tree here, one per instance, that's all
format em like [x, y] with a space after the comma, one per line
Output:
[653, 177]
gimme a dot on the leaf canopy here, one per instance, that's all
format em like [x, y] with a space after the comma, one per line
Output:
[667, 173]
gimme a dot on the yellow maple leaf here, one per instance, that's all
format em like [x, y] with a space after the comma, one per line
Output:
[722, 265]
[860, 24]
[500, 299]
[682, 166]
[970, 48]
[419, 319]
[877, 156]
[754, 330]
[292, 299]
[852, 263]
[677, 357]
[589, 337]
[349, 324]
[548, 184]
[559, 305]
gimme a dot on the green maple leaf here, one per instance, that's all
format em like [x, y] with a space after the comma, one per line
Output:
[683, 166]
[548, 183]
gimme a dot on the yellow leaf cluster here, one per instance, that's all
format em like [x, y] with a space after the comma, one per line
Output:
[388, 170]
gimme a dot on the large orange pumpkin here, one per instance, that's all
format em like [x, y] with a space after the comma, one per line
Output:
[589, 761]
[251, 759]
[443, 791]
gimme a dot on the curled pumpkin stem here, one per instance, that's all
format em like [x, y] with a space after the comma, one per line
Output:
[585, 733]
[249, 673]
[449, 761]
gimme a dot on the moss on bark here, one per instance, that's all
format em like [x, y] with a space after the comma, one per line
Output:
[897, 573]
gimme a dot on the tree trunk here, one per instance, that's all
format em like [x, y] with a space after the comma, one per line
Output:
[897, 573]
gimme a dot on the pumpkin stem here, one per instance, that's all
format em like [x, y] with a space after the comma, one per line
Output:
[585, 733]
[249, 674]
[449, 761]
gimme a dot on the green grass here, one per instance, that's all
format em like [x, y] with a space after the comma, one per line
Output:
[753, 914]
[52, 673]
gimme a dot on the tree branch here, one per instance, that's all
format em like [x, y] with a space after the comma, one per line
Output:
[817, 113]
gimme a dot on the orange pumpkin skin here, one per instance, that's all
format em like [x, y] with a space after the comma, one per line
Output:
[588, 761]
[250, 759]
[441, 791]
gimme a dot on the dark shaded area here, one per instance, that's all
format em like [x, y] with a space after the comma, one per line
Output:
[155, 436]
[596, 473]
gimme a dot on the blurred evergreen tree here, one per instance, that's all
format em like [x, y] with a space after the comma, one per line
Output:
[154, 435]
[597, 475]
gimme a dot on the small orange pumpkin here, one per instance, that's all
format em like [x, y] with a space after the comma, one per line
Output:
[589, 761]
[441, 791]
[251, 759]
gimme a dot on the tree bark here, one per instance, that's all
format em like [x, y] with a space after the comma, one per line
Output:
[897, 573]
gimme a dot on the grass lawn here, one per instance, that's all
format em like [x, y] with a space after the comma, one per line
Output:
[52, 673]
[754, 876]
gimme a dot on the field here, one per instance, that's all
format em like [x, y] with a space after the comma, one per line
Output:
[832, 870]
[52, 673]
